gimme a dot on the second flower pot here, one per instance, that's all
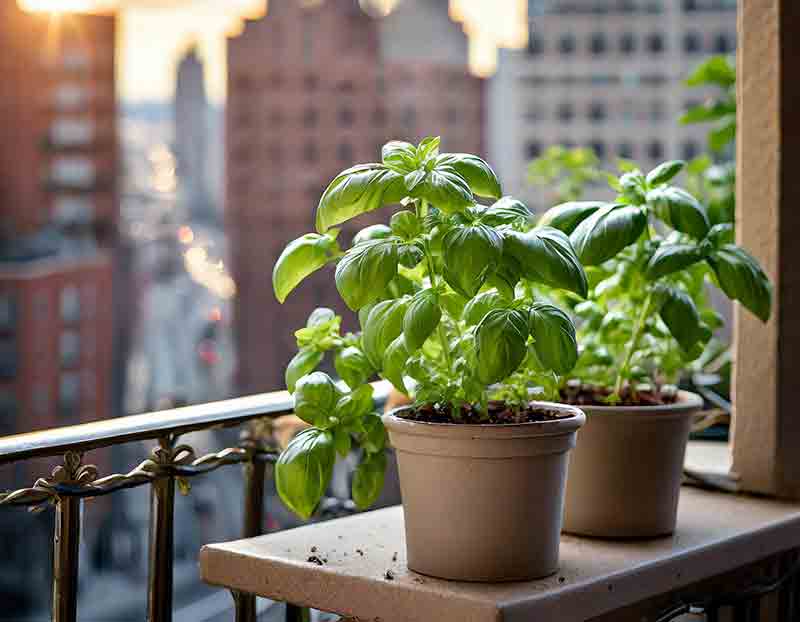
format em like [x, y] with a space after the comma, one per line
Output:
[483, 502]
[626, 469]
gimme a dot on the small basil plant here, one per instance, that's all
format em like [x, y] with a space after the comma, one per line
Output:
[435, 291]
[649, 256]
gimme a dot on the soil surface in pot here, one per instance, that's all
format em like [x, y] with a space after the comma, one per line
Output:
[589, 395]
[498, 413]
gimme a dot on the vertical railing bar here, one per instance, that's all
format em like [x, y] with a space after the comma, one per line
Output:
[254, 475]
[754, 613]
[66, 546]
[295, 613]
[161, 550]
[712, 614]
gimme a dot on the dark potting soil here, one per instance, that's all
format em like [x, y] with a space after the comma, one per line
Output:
[498, 412]
[588, 395]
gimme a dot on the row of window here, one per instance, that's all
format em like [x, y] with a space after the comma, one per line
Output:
[628, 43]
[653, 149]
[600, 111]
[399, 79]
[604, 7]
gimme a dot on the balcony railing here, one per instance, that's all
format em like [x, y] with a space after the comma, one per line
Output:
[169, 463]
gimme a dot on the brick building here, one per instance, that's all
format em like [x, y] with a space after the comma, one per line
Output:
[58, 217]
[312, 91]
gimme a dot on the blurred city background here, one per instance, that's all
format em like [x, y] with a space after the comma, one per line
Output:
[156, 156]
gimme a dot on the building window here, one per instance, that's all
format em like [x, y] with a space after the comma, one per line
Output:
[70, 304]
[566, 44]
[73, 172]
[70, 209]
[310, 153]
[723, 44]
[276, 117]
[344, 151]
[533, 149]
[379, 117]
[9, 409]
[8, 312]
[451, 115]
[311, 82]
[346, 117]
[689, 6]
[657, 111]
[625, 150]
[566, 112]
[655, 43]
[69, 395]
[655, 150]
[310, 117]
[72, 132]
[692, 43]
[598, 44]
[599, 148]
[70, 348]
[409, 117]
[8, 357]
[627, 43]
[535, 44]
[597, 112]
[690, 150]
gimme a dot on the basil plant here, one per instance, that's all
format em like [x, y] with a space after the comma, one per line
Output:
[649, 256]
[437, 296]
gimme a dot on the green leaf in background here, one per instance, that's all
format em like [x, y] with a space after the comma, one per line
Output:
[720, 234]
[742, 279]
[553, 337]
[567, 216]
[500, 341]
[478, 307]
[470, 254]
[670, 258]
[478, 174]
[545, 255]
[721, 137]
[445, 189]
[633, 185]
[302, 363]
[304, 469]
[680, 210]
[315, 398]
[713, 111]
[680, 314]
[372, 232]
[400, 155]
[394, 363]
[606, 232]
[352, 366]
[384, 324]
[320, 316]
[356, 404]
[364, 272]
[405, 225]
[506, 211]
[358, 190]
[664, 172]
[373, 440]
[716, 70]
[300, 258]
[342, 441]
[421, 319]
[368, 479]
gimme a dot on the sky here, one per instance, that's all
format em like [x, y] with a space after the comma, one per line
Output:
[153, 34]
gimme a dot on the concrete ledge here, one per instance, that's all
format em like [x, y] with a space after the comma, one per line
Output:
[363, 572]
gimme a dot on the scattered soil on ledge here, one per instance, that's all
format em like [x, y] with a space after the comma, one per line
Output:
[588, 395]
[499, 413]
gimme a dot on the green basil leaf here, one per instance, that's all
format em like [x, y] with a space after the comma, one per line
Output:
[315, 397]
[500, 341]
[680, 314]
[545, 255]
[606, 232]
[384, 324]
[368, 479]
[553, 338]
[506, 275]
[706, 112]
[399, 155]
[506, 211]
[342, 441]
[364, 272]
[452, 303]
[413, 179]
[355, 405]
[358, 190]
[478, 307]
[670, 258]
[394, 363]
[716, 70]
[445, 189]
[680, 210]
[566, 216]
[300, 258]
[303, 470]
[478, 174]
[320, 317]
[409, 255]
[470, 254]
[302, 363]
[373, 232]
[405, 225]
[720, 234]
[373, 440]
[742, 279]
[633, 186]
[721, 137]
[428, 148]
[352, 366]
[664, 172]
[421, 318]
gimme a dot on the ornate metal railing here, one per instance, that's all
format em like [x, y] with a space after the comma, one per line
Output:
[168, 464]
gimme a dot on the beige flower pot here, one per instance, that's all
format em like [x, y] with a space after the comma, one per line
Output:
[483, 502]
[626, 470]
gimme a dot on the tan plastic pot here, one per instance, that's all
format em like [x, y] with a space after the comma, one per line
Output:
[483, 502]
[625, 472]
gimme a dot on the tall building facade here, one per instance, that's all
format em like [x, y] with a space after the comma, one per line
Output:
[58, 218]
[605, 74]
[312, 91]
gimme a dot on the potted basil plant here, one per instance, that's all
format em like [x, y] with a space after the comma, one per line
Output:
[649, 256]
[418, 286]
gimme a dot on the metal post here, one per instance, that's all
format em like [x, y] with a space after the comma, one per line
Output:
[297, 614]
[254, 471]
[162, 512]
[66, 543]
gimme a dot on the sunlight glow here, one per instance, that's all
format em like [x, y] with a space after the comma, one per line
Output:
[57, 7]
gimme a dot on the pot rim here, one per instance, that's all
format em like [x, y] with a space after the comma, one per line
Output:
[686, 404]
[556, 427]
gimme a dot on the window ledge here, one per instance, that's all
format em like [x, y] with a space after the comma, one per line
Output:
[717, 533]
